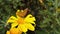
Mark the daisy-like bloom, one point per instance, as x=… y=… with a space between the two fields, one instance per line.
x=14 y=31
x=24 y=24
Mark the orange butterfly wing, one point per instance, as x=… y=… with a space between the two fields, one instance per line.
x=22 y=13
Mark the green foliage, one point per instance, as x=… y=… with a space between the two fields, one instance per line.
x=47 y=14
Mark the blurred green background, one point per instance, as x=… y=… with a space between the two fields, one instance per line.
x=47 y=13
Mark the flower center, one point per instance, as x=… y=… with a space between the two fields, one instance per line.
x=20 y=20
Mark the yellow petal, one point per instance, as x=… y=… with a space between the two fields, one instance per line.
x=30 y=27
x=14 y=25
x=30 y=19
x=22 y=28
x=12 y=19
x=8 y=32
x=33 y=22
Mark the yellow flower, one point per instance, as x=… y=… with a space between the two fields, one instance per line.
x=14 y=31
x=23 y=23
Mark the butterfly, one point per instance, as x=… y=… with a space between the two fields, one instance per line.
x=22 y=13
